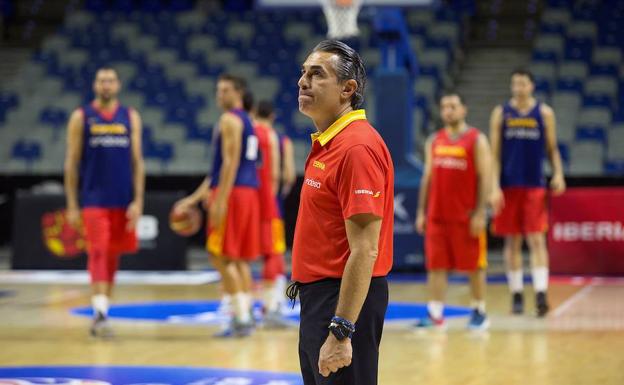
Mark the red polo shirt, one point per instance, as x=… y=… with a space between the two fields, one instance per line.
x=349 y=171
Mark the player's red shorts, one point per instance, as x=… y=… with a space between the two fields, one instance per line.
x=107 y=238
x=273 y=248
x=450 y=246
x=238 y=237
x=273 y=239
x=525 y=212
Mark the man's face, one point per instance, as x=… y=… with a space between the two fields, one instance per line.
x=106 y=85
x=227 y=94
x=452 y=111
x=319 y=89
x=521 y=86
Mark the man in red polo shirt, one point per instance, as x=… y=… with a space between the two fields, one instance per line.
x=342 y=248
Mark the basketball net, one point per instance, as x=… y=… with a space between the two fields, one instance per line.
x=341 y=16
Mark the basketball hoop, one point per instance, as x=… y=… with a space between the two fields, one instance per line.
x=341 y=16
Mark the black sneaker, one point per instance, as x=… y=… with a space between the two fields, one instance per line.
x=541 y=304
x=517 y=303
x=100 y=327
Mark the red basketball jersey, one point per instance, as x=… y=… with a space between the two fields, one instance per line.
x=453 y=188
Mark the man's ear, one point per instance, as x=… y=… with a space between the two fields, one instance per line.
x=348 y=88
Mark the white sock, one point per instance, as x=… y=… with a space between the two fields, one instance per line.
x=479 y=305
x=241 y=307
x=515 y=281
x=271 y=300
x=226 y=304
x=540 y=279
x=274 y=296
x=436 y=309
x=280 y=287
x=100 y=304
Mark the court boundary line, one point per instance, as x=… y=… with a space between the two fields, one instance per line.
x=568 y=303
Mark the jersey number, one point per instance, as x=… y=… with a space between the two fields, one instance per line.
x=252 y=148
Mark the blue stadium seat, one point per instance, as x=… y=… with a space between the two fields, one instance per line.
x=570 y=84
x=200 y=133
x=25 y=150
x=597 y=100
x=591 y=133
x=544 y=56
x=552 y=28
x=579 y=49
x=180 y=5
x=53 y=117
x=8 y=100
x=618 y=115
x=542 y=85
x=605 y=69
x=564 y=151
x=122 y=6
x=160 y=151
x=614 y=167
x=153 y=6
x=96 y=6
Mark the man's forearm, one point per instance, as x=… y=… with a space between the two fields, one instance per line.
x=139 y=181
x=226 y=178
x=483 y=190
x=422 y=196
x=555 y=161
x=355 y=284
x=71 y=187
x=495 y=178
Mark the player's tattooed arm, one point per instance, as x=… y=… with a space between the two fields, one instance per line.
x=423 y=193
x=275 y=164
x=557 y=183
x=72 y=161
x=289 y=176
x=484 y=180
x=496 y=197
x=135 y=210
x=231 y=146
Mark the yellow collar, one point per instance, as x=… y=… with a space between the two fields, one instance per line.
x=333 y=130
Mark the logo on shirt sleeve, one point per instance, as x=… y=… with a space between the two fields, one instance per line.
x=319 y=164
x=313 y=183
x=367 y=192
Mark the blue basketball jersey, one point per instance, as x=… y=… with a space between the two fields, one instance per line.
x=523 y=148
x=247 y=172
x=106 y=162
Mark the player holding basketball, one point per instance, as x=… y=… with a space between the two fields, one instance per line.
x=104 y=185
x=521 y=131
x=272 y=226
x=233 y=208
x=452 y=203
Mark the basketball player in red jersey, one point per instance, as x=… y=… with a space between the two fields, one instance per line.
x=272 y=225
x=231 y=190
x=452 y=210
x=104 y=186
x=522 y=133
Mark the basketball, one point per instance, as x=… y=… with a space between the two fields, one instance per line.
x=185 y=223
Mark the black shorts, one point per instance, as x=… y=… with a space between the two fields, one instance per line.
x=318 y=306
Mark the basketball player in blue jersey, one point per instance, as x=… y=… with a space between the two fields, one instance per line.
x=233 y=238
x=522 y=132
x=104 y=186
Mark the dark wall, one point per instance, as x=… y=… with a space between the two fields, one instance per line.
x=9 y=185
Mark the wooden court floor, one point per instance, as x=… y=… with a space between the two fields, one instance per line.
x=581 y=342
